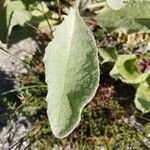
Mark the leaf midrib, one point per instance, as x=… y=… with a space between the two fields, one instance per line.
x=69 y=49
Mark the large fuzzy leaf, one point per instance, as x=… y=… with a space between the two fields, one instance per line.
x=125 y=69
x=142 y=98
x=72 y=73
x=132 y=17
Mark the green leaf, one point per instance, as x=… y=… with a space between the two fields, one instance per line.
x=2 y=45
x=125 y=69
x=41 y=17
x=6 y=16
x=134 y=16
x=109 y=54
x=142 y=98
x=18 y=18
x=21 y=12
x=72 y=73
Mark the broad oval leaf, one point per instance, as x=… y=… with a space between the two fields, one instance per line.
x=134 y=16
x=72 y=73
x=142 y=98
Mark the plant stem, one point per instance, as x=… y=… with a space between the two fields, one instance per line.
x=43 y=12
x=59 y=9
x=77 y=4
x=4 y=50
x=23 y=88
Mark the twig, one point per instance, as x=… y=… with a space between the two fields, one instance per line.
x=4 y=50
x=18 y=142
x=59 y=9
x=142 y=117
x=77 y=3
x=46 y=17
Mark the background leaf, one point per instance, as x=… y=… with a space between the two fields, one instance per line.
x=72 y=73
x=6 y=16
x=134 y=16
x=109 y=54
x=125 y=69
x=142 y=98
x=25 y=12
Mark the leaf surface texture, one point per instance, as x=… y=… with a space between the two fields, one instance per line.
x=134 y=16
x=72 y=73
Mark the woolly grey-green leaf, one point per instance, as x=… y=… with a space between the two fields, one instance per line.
x=134 y=16
x=72 y=73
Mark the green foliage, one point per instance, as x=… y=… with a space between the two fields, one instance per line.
x=125 y=69
x=30 y=13
x=133 y=17
x=142 y=98
x=108 y=54
x=72 y=73
x=6 y=16
x=104 y=124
